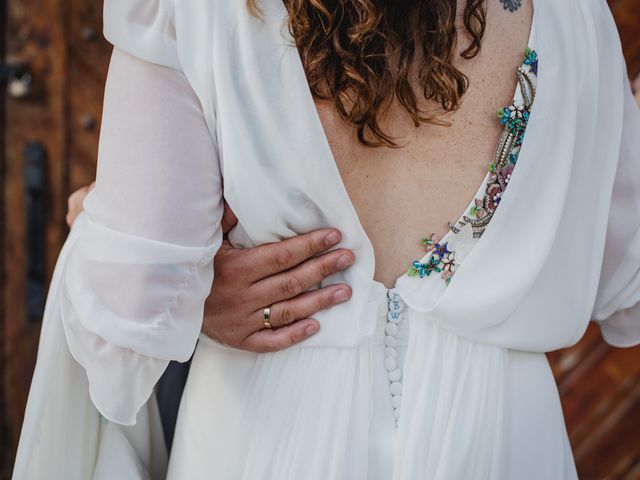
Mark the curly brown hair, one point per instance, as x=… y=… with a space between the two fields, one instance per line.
x=358 y=54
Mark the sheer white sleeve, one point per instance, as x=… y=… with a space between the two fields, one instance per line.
x=141 y=264
x=617 y=307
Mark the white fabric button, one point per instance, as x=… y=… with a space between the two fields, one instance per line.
x=396 y=306
x=390 y=364
x=390 y=352
x=396 y=414
x=394 y=317
x=395 y=388
x=395 y=375
x=396 y=401
x=390 y=341
x=391 y=329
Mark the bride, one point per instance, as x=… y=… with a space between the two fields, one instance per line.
x=473 y=243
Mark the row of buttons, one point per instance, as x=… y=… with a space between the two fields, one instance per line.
x=391 y=362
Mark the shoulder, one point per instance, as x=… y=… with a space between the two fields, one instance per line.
x=143 y=28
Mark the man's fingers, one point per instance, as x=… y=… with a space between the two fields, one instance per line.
x=268 y=340
x=276 y=257
x=296 y=281
x=304 y=306
x=74 y=203
x=229 y=219
x=225 y=247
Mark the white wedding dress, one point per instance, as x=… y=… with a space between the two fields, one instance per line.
x=442 y=377
x=495 y=412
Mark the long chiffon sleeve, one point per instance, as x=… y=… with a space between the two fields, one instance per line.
x=141 y=265
x=617 y=307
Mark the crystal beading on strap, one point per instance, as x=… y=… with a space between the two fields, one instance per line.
x=439 y=258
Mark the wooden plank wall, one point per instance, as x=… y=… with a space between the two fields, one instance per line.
x=61 y=41
x=600 y=390
x=627 y=15
x=36 y=35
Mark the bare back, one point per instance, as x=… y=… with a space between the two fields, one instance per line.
x=404 y=194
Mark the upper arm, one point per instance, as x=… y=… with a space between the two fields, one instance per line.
x=158 y=174
x=140 y=264
x=617 y=306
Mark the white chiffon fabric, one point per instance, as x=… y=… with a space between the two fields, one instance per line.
x=200 y=91
x=129 y=285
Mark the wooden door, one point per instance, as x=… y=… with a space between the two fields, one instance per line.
x=50 y=138
x=49 y=149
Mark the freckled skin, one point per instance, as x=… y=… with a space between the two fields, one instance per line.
x=404 y=194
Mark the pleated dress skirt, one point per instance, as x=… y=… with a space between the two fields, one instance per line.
x=412 y=402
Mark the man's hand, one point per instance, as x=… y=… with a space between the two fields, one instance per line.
x=74 y=202
x=276 y=275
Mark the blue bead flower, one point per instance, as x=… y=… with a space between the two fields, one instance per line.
x=504 y=115
x=421 y=269
x=426 y=269
x=441 y=250
x=531 y=59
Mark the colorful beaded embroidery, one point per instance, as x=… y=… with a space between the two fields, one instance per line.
x=441 y=260
x=514 y=119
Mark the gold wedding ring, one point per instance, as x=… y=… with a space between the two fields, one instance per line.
x=266 y=315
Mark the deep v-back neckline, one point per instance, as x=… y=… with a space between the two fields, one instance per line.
x=329 y=158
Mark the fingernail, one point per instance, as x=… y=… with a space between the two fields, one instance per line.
x=311 y=330
x=332 y=238
x=340 y=295
x=344 y=261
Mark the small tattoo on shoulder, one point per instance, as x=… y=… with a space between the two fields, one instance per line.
x=511 y=5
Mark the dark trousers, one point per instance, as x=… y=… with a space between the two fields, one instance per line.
x=168 y=393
